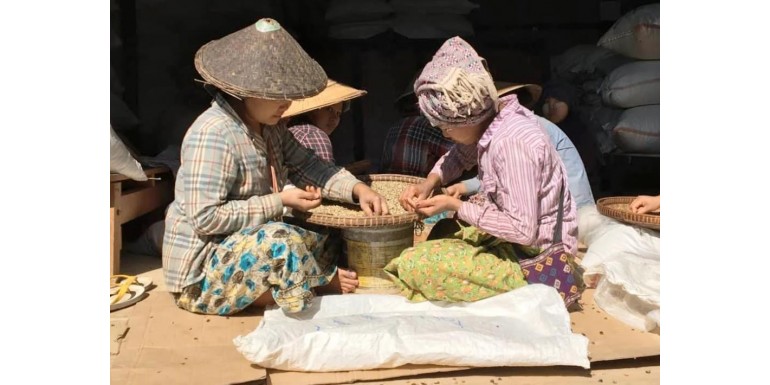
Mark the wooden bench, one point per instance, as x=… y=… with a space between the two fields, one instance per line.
x=130 y=199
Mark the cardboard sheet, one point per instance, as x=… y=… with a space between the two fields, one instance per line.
x=626 y=373
x=167 y=345
x=118 y=329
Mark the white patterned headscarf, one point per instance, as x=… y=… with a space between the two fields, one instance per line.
x=455 y=87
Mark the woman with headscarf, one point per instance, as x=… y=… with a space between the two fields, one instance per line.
x=523 y=183
x=224 y=247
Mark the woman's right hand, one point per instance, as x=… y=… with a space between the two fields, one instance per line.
x=644 y=204
x=302 y=200
x=416 y=193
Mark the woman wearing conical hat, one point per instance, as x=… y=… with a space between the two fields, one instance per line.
x=527 y=205
x=223 y=249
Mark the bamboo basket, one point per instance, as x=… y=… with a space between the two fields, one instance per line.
x=617 y=208
x=369 y=250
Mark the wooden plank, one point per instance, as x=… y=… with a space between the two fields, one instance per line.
x=150 y=172
x=115 y=242
x=116 y=190
x=130 y=199
x=133 y=204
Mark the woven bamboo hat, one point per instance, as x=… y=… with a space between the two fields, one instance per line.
x=260 y=61
x=618 y=208
x=334 y=93
x=533 y=91
x=503 y=88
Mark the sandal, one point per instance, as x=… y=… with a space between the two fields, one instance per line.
x=120 y=279
x=125 y=295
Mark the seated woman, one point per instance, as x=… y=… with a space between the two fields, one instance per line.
x=412 y=146
x=576 y=173
x=522 y=178
x=313 y=120
x=222 y=248
x=579 y=186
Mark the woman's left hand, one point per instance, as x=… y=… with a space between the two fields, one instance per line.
x=438 y=204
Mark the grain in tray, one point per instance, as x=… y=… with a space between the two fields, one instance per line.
x=391 y=190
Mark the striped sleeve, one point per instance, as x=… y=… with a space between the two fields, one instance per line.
x=517 y=176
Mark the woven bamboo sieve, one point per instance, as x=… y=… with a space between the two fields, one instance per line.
x=618 y=208
x=363 y=221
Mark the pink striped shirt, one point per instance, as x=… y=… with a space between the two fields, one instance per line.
x=521 y=175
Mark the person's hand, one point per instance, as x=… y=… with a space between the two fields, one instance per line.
x=415 y=193
x=436 y=205
x=370 y=201
x=302 y=200
x=644 y=204
x=457 y=190
x=313 y=190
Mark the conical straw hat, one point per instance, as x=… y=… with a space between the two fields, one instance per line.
x=260 y=61
x=333 y=93
x=534 y=91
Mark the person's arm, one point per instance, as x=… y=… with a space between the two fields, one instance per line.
x=467 y=187
x=336 y=182
x=209 y=175
x=577 y=176
x=450 y=166
x=472 y=185
x=515 y=215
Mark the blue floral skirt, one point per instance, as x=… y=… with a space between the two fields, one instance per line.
x=285 y=259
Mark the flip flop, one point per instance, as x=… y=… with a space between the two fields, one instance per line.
x=120 y=279
x=125 y=295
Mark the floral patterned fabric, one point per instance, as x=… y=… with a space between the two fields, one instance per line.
x=285 y=259
x=468 y=266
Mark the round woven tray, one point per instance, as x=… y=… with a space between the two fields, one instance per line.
x=617 y=208
x=363 y=221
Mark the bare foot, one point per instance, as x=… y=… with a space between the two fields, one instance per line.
x=345 y=281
